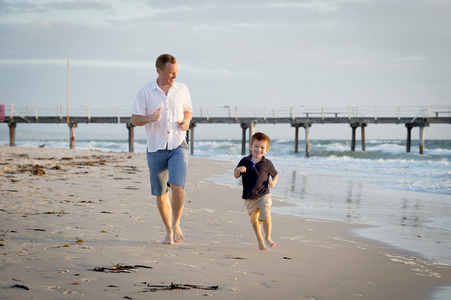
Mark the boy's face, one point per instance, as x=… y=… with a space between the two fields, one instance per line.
x=259 y=148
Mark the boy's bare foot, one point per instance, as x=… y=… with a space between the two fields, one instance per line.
x=270 y=243
x=168 y=239
x=261 y=246
x=178 y=235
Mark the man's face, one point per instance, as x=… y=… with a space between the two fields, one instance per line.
x=168 y=75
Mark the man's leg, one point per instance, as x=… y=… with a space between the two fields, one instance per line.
x=177 y=166
x=158 y=170
x=177 y=203
x=164 y=207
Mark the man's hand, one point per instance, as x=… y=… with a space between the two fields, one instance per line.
x=184 y=125
x=140 y=120
x=156 y=116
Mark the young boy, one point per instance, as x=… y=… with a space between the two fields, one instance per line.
x=256 y=171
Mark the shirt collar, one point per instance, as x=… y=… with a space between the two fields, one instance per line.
x=154 y=85
x=261 y=160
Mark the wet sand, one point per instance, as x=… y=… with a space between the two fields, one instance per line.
x=82 y=225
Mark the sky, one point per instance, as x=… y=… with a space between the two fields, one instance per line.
x=248 y=54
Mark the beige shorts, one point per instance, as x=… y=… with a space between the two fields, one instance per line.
x=263 y=204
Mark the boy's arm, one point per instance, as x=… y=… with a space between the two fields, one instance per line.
x=273 y=182
x=238 y=171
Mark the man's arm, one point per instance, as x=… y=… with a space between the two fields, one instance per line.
x=139 y=120
x=187 y=117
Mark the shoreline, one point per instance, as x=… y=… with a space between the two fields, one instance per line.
x=93 y=209
x=361 y=203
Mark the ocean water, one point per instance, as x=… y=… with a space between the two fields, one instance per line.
x=405 y=198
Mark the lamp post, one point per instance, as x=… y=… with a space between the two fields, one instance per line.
x=73 y=125
x=68 y=87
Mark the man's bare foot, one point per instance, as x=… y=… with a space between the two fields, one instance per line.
x=261 y=246
x=168 y=239
x=178 y=235
x=270 y=243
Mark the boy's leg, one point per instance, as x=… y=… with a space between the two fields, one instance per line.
x=265 y=218
x=256 y=225
x=267 y=227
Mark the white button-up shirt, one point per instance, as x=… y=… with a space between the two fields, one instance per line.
x=166 y=133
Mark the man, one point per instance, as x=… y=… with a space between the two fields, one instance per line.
x=164 y=108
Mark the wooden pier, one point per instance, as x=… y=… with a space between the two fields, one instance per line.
x=304 y=117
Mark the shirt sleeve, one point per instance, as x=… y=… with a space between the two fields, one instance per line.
x=140 y=104
x=241 y=163
x=272 y=170
x=187 y=106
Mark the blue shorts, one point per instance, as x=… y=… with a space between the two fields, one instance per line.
x=167 y=167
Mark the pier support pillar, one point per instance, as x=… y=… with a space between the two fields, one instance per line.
x=354 y=127
x=72 y=127
x=296 y=138
x=363 y=125
x=307 y=138
x=251 y=133
x=421 y=145
x=131 y=137
x=244 y=126
x=191 y=137
x=306 y=126
x=12 y=133
x=409 y=137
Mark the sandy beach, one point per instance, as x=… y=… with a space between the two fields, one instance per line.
x=82 y=225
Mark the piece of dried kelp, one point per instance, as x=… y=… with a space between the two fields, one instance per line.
x=20 y=286
x=235 y=257
x=36 y=229
x=119 y=268
x=176 y=286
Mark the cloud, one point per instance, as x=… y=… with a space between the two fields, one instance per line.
x=22 y=12
x=22 y=7
x=102 y=63
x=77 y=5
x=266 y=50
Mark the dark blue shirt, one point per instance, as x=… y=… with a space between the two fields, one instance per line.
x=256 y=178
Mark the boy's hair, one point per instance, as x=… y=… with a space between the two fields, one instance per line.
x=163 y=59
x=260 y=136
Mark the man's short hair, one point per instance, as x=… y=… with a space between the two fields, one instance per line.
x=163 y=59
x=260 y=136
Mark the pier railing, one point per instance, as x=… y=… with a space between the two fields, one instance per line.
x=350 y=112
x=26 y=111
